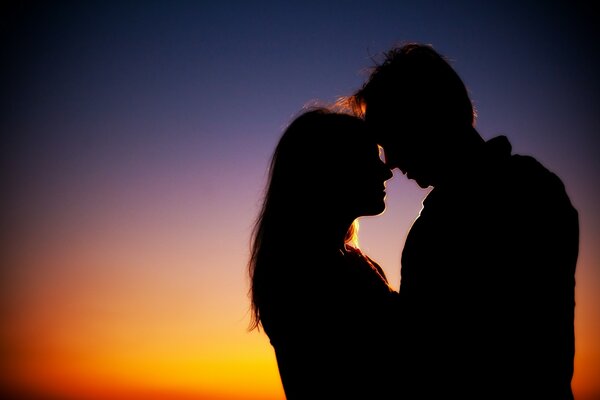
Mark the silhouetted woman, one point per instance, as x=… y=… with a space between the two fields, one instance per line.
x=326 y=307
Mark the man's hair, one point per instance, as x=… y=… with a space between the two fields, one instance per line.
x=419 y=80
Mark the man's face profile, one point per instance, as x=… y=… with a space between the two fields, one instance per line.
x=403 y=142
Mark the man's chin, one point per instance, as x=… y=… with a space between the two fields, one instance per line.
x=422 y=184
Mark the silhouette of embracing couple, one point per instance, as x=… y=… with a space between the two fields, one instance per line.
x=485 y=306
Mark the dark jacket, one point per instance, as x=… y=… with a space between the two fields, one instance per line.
x=488 y=285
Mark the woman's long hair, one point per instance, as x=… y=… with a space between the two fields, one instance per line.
x=303 y=167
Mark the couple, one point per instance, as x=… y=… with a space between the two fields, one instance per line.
x=485 y=308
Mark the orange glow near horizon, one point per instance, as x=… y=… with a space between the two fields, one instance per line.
x=129 y=358
x=156 y=348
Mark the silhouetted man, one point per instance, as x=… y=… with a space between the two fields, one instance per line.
x=488 y=268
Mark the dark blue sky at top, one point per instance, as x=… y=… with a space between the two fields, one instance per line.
x=103 y=91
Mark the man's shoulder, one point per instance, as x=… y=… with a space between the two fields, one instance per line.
x=522 y=179
x=532 y=173
x=520 y=168
x=539 y=188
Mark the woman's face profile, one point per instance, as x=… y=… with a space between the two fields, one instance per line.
x=333 y=168
x=359 y=187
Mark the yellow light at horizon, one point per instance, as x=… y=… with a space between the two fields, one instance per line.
x=160 y=364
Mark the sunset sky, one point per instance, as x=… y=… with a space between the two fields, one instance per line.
x=136 y=138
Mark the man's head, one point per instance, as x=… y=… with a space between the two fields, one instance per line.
x=419 y=109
